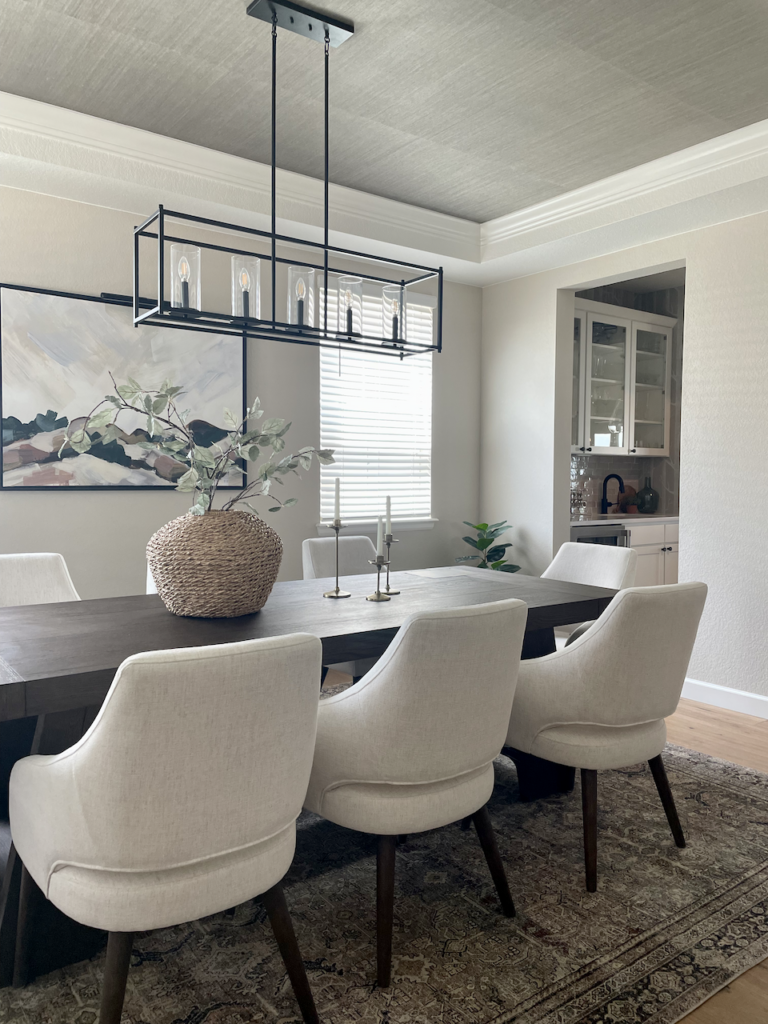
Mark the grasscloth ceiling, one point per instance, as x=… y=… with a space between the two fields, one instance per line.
x=473 y=109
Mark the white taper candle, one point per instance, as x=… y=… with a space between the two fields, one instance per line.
x=389 y=515
x=337 y=500
x=380 y=539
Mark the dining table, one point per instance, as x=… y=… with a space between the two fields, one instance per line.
x=57 y=663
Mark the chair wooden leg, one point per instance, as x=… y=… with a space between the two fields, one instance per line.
x=280 y=919
x=466 y=823
x=589 y=810
x=385 y=907
x=667 y=800
x=323 y=674
x=485 y=834
x=119 y=946
x=29 y=902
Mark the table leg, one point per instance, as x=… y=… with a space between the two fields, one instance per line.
x=57 y=939
x=537 y=777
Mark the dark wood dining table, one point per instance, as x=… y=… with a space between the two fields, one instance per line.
x=57 y=662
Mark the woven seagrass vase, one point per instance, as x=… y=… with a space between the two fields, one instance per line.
x=215 y=566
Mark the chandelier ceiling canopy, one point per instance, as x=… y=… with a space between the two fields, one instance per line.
x=299 y=273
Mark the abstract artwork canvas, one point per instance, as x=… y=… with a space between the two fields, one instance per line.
x=56 y=356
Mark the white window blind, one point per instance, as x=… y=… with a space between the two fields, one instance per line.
x=377 y=416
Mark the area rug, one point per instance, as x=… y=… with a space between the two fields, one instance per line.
x=665 y=930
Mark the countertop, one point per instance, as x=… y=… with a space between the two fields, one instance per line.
x=618 y=517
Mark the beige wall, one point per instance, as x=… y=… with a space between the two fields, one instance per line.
x=71 y=246
x=724 y=485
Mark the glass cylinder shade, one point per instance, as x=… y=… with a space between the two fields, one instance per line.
x=185 y=277
x=350 y=320
x=301 y=296
x=393 y=312
x=246 y=290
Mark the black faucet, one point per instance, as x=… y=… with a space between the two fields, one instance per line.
x=605 y=503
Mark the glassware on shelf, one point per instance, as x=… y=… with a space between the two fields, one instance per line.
x=301 y=296
x=350 y=318
x=246 y=287
x=185 y=277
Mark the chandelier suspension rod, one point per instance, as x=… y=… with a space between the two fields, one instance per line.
x=325 y=189
x=274 y=164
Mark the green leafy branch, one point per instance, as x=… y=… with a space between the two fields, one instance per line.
x=171 y=434
x=488 y=551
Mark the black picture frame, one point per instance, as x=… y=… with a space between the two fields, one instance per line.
x=109 y=300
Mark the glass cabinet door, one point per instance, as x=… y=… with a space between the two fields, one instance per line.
x=650 y=390
x=608 y=367
x=578 y=380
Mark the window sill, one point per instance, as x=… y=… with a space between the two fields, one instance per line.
x=370 y=526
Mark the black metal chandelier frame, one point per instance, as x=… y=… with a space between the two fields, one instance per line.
x=332 y=32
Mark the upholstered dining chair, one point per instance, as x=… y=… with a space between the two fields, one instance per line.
x=601 y=702
x=318 y=561
x=35 y=578
x=594 y=565
x=411 y=746
x=179 y=802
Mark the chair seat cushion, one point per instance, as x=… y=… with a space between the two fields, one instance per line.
x=594 y=746
x=127 y=901
x=382 y=808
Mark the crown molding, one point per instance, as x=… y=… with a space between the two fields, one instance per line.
x=75 y=156
x=65 y=138
x=724 y=162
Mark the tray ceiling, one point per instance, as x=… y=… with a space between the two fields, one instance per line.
x=472 y=111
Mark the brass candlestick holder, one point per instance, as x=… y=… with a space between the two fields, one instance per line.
x=389 y=540
x=379 y=562
x=337 y=526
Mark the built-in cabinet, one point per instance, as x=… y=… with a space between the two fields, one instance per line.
x=657 y=552
x=621 y=381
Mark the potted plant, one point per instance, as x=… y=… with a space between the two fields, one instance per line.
x=211 y=563
x=490 y=553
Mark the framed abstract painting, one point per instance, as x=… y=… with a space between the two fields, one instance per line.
x=59 y=353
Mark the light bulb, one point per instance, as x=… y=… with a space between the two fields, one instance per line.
x=348 y=298
x=245 y=280
x=395 y=307
x=184 y=269
x=300 y=288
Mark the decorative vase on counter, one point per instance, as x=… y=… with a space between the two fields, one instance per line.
x=217 y=565
x=647 y=498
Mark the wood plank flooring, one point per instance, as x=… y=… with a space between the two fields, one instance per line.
x=742 y=739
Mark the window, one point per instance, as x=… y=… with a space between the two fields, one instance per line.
x=376 y=413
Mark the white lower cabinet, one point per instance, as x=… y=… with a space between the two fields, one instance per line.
x=657 y=551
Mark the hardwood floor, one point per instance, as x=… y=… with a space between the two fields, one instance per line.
x=743 y=740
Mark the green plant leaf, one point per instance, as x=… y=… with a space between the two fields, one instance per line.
x=484 y=542
x=466 y=558
x=275 y=508
x=100 y=419
x=325 y=456
x=111 y=433
x=272 y=426
x=278 y=443
x=203 y=457
x=159 y=405
x=472 y=525
x=290 y=501
x=508 y=567
x=471 y=541
x=188 y=482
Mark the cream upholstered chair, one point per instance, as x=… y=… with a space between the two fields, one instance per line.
x=602 y=701
x=411 y=746
x=179 y=802
x=594 y=565
x=318 y=561
x=318 y=557
x=35 y=579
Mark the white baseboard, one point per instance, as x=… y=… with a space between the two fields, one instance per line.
x=726 y=697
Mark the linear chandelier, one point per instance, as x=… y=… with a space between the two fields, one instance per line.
x=302 y=273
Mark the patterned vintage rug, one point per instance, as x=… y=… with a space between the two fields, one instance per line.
x=665 y=930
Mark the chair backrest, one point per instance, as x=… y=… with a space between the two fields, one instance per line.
x=197 y=752
x=630 y=665
x=437 y=703
x=318 y=556
x=151 y=585
x=35 y=579
x=595 y=565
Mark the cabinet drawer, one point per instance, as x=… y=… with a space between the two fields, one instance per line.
x=672 y=533
x=647 y=533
